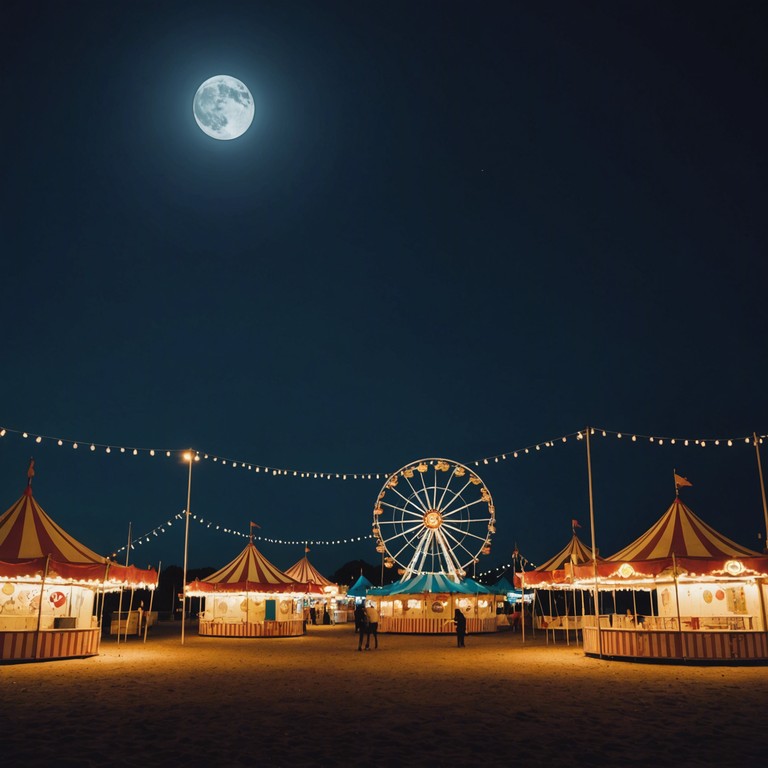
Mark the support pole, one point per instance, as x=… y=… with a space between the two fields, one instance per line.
x=189 y=456
x=594 y=549
x=151 y=599
x=120 y=601
x=762 y=489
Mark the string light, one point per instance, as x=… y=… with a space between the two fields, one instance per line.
x=159 y=529
x=345 y=475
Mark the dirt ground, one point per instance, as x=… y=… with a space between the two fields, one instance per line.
x=416 y=701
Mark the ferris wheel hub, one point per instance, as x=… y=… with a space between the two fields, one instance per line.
x=433 y=519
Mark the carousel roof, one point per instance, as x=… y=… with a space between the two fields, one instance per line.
x=681 y=533
x=360 y=587
x=33 y=546
x=431 y=582
x=304 y=571
x=250 y=571
x=574 y=552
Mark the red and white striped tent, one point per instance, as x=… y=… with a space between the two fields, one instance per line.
x=250 y=597
x=707 y=595
x=556 y=572
x=49 y=583
x=679 y=540
x=250 y=571
x=32 y=545
x=304 y=571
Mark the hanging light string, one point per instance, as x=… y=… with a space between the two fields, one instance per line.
x=158 y=530
x=267 y=471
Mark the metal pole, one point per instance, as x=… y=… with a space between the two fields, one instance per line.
x=120 y=601
x=151 y=599
x=594 y=550
x=189 y=458
x=762 y=490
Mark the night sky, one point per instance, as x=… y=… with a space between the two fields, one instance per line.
x=453 y=230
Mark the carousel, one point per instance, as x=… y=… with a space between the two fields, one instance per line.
x=425 y=604
x=52 y=587
x=433 y=518
x=702 y=596
x=250 y=597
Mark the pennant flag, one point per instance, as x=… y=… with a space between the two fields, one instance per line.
x=30 y=471
x=681 y=482
x=575 y=524
x=255 y=525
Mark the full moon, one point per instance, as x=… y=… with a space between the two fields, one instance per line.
x=223 y=107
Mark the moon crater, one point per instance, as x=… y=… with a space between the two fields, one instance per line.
x=223 y=107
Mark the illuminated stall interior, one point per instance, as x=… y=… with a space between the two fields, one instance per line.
x=425 y=604
x=51 y=585
x=707 y=595
x=250 y=597
x=558 y=605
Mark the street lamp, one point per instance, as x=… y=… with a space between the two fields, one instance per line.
x=190 y=457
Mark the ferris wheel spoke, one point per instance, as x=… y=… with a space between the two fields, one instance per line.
x=464 y=533
x=463 y=536
x=448 y=556
x=445 y=490
x=426 y=492
x=416 y=514
x=419 y=553
x=449 y=513
x=408 y=542
x=410 y=500
x=460 y=545
x=423 y=503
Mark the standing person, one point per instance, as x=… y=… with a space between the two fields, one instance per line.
x=361 y=621
x=461 y=627
x=359 y=617
x=313 y=614
x=373 y=626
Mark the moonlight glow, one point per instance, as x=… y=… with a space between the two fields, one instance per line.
x=223 y=107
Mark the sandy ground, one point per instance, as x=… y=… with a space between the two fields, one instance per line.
x=416 y=701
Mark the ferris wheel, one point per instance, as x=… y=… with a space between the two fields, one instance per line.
x=433 y=516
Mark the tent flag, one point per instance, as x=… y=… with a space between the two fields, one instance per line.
x=575 y=524
x=681 y=482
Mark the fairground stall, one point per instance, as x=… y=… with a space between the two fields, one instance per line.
x=561 y=607
x=250 y=597
x=705 y=595
x=50 y=585
x=332 y=602
x=425 y=604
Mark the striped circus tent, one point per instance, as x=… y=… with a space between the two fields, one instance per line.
x=681 y=533
x=32 y=544
x=305 y=572
x=250 y=571
x=50 y=584
x=556 y=571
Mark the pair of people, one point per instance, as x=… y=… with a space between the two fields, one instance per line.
x=368 y=625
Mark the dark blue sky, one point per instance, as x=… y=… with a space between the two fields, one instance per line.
x=453 y=230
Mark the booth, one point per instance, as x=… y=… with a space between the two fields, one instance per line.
x=51 y=586
x=250 y=597
x=707 y=596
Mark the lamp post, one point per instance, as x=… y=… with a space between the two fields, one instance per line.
x=190 y=457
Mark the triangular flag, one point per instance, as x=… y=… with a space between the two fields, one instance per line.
x=681 y=482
